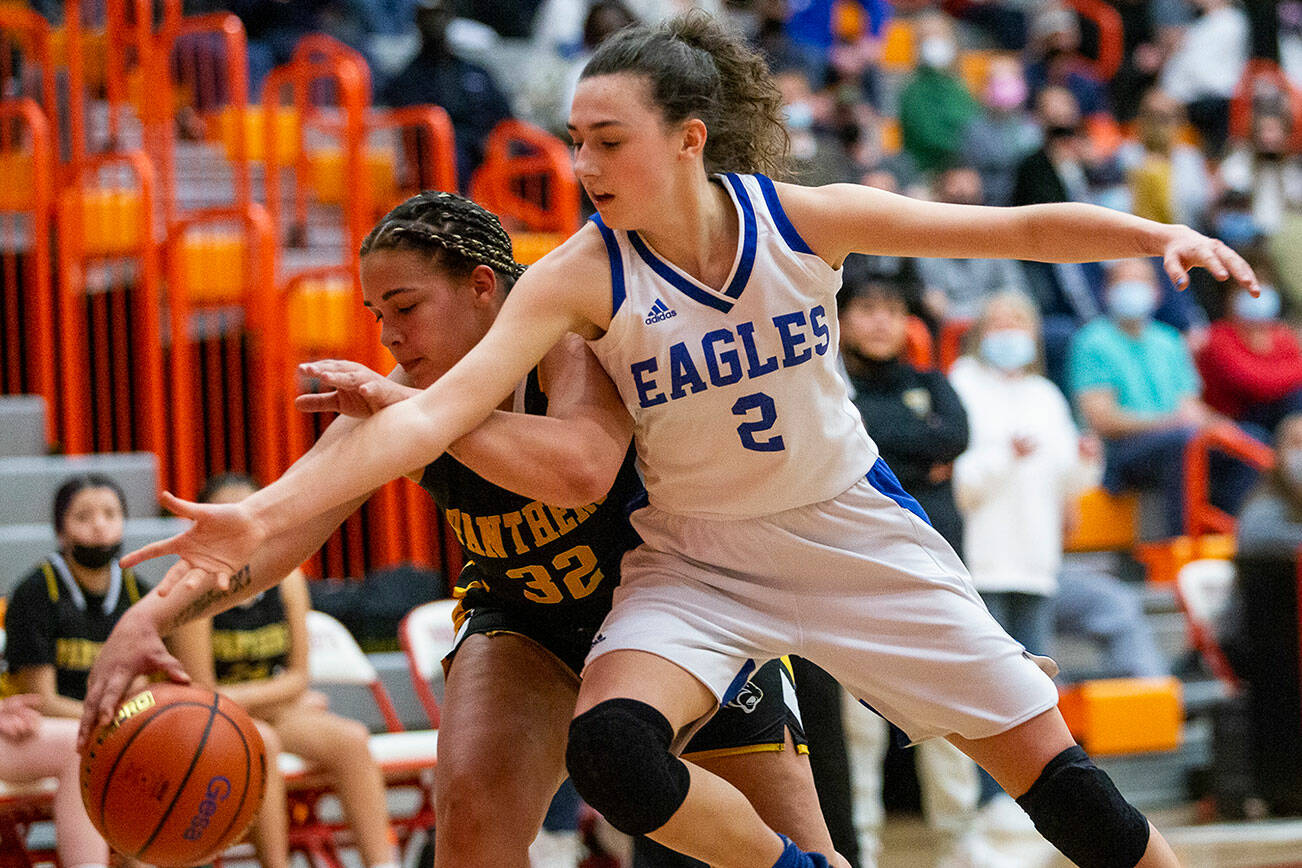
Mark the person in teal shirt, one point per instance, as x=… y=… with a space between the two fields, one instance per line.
x=1134 y=383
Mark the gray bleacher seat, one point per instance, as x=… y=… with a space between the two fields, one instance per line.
x=28 y=484
x=22 y=546
x=22 y=425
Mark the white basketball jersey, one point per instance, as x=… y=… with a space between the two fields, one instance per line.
x=738 y=408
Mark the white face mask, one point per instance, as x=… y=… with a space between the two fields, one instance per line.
x=1008 y=349
x=1263 y=308
x=798 y=115
x=937 y=52
x=1132 y=300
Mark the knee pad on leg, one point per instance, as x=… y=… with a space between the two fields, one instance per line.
x=1077 y=808
x=618 y=757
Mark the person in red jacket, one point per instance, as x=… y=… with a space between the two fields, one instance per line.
x=1251 y=364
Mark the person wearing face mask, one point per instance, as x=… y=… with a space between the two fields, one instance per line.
x=1167 y=178
x=1003 y=134
x=61 y=612
x=1017 y=482
x=1134 y=383
x=1252 y=364
x=935 y=106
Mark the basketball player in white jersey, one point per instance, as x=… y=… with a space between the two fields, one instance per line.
x=772 y=526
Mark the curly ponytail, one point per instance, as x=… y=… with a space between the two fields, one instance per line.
x=696 y=69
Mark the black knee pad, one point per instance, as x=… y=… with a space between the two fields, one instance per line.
x=1077 y=808
x=618 y=757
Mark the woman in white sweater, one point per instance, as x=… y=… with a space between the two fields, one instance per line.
x=1017 y=482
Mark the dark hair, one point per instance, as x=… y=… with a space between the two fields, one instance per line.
x=458 y=234
x=74 y=485
x=697 y=70
x=220 y=481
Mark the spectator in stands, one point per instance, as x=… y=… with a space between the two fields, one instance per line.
x=1134 y=383
x=1204 y=69
x=1056 y=61
x=811 y=30
x=467 y=92
x=1266 y=169
x=256 y=654
x=935 y=106
x=61 y=612
x=33 y=747
x=1109 y=613
x=1003 y=134
x=954 y=289
x=1168 y=179
x=920 y=427
x=1024 y=467
x=1251 y=364
x=817 y=155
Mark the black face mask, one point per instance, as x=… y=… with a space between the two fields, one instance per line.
x=95 y=557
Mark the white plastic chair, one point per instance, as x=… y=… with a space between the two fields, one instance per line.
x=427 y=635
x=1202 y=588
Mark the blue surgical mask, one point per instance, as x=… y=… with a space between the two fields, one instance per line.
x=1132 y=299
x=798 y=115
x=1008 y=349
x=1237 y=229
x=1263 y=308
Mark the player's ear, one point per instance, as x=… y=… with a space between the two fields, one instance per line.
x=483 y=283
x=693 y=138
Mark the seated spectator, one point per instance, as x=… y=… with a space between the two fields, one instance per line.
x=935 y=106
x=1265 y=169
x=1056 y=60
x=1003 y=134
x=816 y=154
x=1258 y=629
x=33 y=747
x=466 y=92
x=60 y=615
x=811 y=32
x=1134 y=384
x=1168 y=179
x=256 y=654
x=919 y=426
x=1251 y=364
x=1108 y=613
x=955 y=289
x=1203 y=70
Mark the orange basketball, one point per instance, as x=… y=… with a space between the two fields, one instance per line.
x=176 y=777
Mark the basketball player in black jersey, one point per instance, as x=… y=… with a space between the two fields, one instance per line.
x=542 y=565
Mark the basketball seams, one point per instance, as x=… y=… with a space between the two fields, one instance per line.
x=122 y=751
x=248 y=765
x=180 y=788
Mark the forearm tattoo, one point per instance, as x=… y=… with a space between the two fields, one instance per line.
x=207 y=602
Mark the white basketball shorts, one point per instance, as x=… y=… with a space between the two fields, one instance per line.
x=859 y=584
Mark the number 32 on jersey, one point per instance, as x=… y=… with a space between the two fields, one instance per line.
x=575 y=570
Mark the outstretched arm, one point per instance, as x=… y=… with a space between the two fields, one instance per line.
x=840 y=219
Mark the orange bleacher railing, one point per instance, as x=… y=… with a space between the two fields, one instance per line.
x=428 y=144
x=1264 y=73
x=919 y=348
x=25 y=42
x=1107 y=21
x=952 y=334
x=26 y=205
x=527 y=179
x=220 y=261
x=108 y=316
x=1201 y=517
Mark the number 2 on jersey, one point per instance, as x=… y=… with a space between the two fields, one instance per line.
x=768 y=414
x=579 y=581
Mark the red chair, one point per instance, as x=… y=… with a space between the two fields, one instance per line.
x=427 y=634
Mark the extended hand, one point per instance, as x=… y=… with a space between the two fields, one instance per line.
x=356 y=390
x=1189 y=249
x=223 y=536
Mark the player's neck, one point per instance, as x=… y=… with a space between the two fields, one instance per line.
x=699 y=233
x=94 y=580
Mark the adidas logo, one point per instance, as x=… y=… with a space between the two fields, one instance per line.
x=659 y=312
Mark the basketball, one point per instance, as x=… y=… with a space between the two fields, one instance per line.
x=176 y=777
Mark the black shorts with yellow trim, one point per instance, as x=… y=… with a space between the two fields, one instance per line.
x=756 y=720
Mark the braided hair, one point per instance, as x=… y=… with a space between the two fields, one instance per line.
x=456 y=232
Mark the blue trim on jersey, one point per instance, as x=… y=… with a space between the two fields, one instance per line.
x=788 y=232
x=737 y=683
x=617 y=292
x=882 y=478
x=749 y=239
x=674 y=279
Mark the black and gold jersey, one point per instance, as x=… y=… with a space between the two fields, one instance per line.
x=52 y=620
x=523 y=552
x=251 y=642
